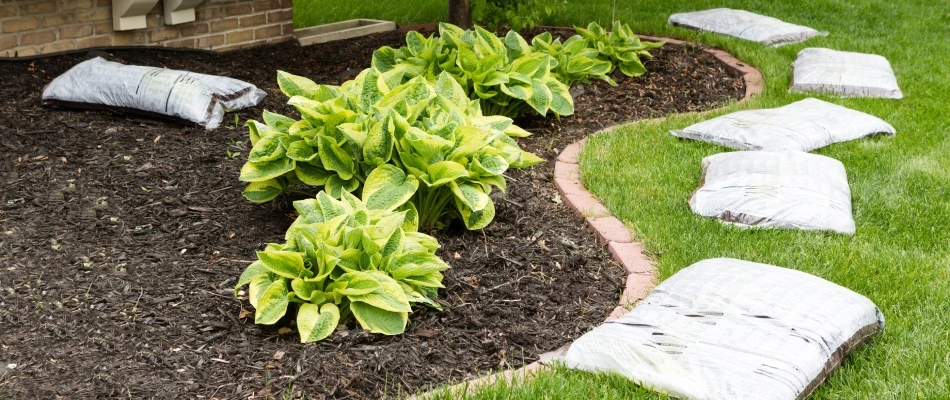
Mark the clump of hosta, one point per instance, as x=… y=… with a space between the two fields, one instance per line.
x=359 y=258
x=578 y=62
x=504 y=79
x=458 y=155
x=430 y=130
x=619 y=46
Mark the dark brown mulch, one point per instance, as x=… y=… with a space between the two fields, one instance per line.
x=121 y=238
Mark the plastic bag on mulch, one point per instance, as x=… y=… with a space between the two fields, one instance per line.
x=731 y=329
x=200 y=98
x=775 y=190
x=804 y=125
x=844 y=73
x=744 y=25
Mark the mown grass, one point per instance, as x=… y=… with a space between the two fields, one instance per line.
x=900 y=255
x=403 y=12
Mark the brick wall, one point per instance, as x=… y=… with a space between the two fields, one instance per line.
x=29 y=27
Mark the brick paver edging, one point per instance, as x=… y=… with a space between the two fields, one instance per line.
x=641 y=271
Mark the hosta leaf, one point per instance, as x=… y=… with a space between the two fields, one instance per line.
x=313 y=175
x=497 y=181
x=415 y=42
x=298 y=127
x=260 y=171
x=394 y=245
x=516 y=45
x=384 y=58
x=415 y=296
x=335 y=158
x=354 y=132
x=493 y=78
x=257 y=130
x=517 y=90
x=389 y=296
x=358 y=283
x=369 y=91
x=277 y=122
x=378 y=147
x=444 y=172
x=416 y=264
x=540 y=99
x=390 y=79
x=387 y=224
x=633 y=68
x=258 y=286
x=492 y=121
x=516 y=131
x=472 y=196
x=561 y=101
x=447 y=87
x=301 y=151
x=304 y=288
x=489 y=164
x=317 y=322
x=429 y=147
x=378 y=320
x=423 y=241
x=476 y=219
x=288 y=264
x=294 y=85
x=264 y=191
x=528 y=65
x=272 y=305
x=411 y=222
x=268 y=148
x=433 y=280
x=575 y=44
x=491 y=41
x=579 y=65
x=254 y=270
x=388 y=187
x=526 y=160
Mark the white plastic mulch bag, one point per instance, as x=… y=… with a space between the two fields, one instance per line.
x=199 y=98
x=775 y=190
x=844 y=73
x=744 y=25
x=803 y=125
x=732 y=329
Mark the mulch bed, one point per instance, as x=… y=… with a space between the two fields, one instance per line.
x=121 y=238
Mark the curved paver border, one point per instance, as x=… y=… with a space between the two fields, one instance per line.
x=610 y=231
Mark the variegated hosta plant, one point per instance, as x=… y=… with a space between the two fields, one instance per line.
x=505 y=78
x=431 y=130
x=458 y=155
x=352 y=257
x=576 y=61
x=619 y=46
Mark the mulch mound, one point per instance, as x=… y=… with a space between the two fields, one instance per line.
x=121 y=238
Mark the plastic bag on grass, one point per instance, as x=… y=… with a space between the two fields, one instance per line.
x=731 y=329
x=844 y=73
x=198 y=98
x=744 y=25
x=804 y=125
x=775 y=190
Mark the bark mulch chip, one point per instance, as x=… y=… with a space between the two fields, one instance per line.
x=121 y=239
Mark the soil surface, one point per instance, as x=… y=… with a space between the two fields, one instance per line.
x=121 y=238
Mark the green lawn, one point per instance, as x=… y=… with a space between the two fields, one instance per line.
x=403 y=12
x=900 y=255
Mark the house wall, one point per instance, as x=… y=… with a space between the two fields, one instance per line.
x=31 y=27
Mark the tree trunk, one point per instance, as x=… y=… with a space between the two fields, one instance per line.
x=460 y=13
